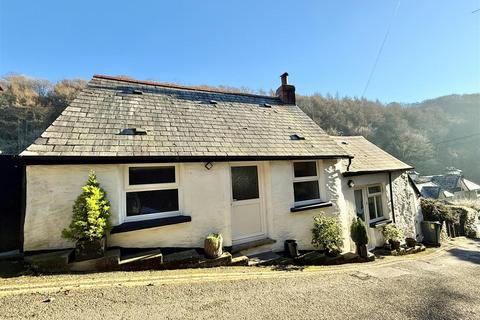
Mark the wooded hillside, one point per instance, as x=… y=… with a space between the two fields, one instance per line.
x=430 y=135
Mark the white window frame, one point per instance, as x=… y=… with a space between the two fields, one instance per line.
x=149 y=187
x=373 y=195
x=306 y=179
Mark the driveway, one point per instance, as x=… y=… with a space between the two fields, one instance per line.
x=438 y=284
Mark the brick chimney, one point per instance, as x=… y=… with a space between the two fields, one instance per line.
x=286 y=92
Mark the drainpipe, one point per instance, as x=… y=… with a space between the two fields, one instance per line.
x=391 y=194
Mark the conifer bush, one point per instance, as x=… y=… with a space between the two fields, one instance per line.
x=91 y=213
x=358 y=232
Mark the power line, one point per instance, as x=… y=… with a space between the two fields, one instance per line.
x=475 y=11
x=458 y=138
x=381 y=48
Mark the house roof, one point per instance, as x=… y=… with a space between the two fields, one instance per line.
x=470 y=185
x=179 y=122
x=367 y=156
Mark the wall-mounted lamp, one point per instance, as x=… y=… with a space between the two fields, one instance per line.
x=351 y=184
x=208 y=165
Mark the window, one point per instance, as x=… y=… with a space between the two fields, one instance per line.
x=244 y=183
x=305 y=183
x=375 y=203
x=151 y=192
x=358 y=194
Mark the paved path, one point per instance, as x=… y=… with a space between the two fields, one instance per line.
x=444 y=284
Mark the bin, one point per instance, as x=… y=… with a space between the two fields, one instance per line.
x=431 y=232
x=291 y=248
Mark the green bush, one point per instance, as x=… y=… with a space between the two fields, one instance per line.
x=327 y=233
x=91 y=216
x=358 y=232
x=434 y=210
x=391 y=232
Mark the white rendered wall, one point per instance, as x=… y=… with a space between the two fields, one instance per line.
x=205 y=195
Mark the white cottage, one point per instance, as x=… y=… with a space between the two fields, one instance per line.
x=180 y=162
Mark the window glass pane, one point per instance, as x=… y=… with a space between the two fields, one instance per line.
x=371 y=207
x=149 y=175
x=307 y=190
x=244 y=183
x=359 y=204
x=147 y=202
x=305 y=169
x=378 y=199
x=375 y=189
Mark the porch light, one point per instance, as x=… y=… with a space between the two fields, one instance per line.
x=351 y=184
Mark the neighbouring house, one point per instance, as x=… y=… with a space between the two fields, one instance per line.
x=178 y=163
x=377 y=189
x=450 y=185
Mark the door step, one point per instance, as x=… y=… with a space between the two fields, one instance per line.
x=263 y=259
x=252 y=244
x=139 y=256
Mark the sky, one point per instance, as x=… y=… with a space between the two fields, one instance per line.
x=327 y=47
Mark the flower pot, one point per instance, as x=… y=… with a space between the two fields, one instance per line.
x=213 y=247
x=86 y=249
x=395 y=244
x=410 y=242
x=362 y=251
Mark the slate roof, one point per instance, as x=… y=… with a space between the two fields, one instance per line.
x=180 y=122
x=367 y=156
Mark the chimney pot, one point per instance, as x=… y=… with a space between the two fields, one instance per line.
x=284 y=78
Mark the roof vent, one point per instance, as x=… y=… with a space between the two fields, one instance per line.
x=213 y=102
x=296 y=137
x=133 y=132
x=344 y=142
x=266 y=105
x=135 y=91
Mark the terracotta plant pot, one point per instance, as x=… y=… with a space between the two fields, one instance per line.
x=213 y=247
x=395 y=244
x=410 y=242
x=86 y=249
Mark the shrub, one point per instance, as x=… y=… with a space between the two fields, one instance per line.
x=434 y=210
x=391 y=232
x=327 y=233
x=91 y=216
x=358 y=232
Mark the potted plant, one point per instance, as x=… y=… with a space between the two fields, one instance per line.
x=411 y=242
x=327 y=234
x=358 y=233
x=392 y=234
x=90 y=221
x=213 y=245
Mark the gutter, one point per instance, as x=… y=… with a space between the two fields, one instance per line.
x=38 y=159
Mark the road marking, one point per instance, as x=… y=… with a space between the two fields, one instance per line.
x=198 y=277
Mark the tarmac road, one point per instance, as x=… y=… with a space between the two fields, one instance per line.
x=444 y=284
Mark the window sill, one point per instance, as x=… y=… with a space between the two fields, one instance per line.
x=380 y=223
x=311 y=206
x=150 y=223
